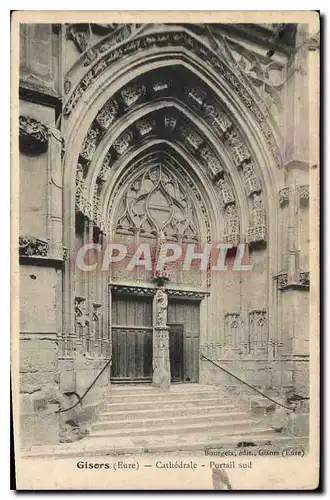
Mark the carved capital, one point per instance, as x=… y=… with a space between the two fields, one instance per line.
x=304 y=279
x=284 y=196
x=285 y=283
x=33 y=135
x=282 y=280
x=256 y=235
x=231 y=238
x=32 y=247
x=65 y=253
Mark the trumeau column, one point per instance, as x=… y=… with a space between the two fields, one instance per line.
x=161 y=357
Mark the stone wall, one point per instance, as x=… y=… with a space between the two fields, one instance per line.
x=254 y=323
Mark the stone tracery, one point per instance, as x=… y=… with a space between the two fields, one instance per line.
x=178 y=115
x=191 y=113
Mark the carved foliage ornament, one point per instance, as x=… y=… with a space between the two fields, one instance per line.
x=91 y=211
x=257 y=231
x=282 y=280
x=252 y=184
x=239 y=151
x=161 y=307
x=32 y=247
x=232 y=228
x=107 y=114
x=304 y=279
x=33 y=135
x=90 y=144
x=227 y=194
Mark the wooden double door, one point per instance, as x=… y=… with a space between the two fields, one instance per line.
x=132 y=332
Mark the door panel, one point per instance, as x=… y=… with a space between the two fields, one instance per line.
x=176 y=352
x=187 y=313
x=131 y=339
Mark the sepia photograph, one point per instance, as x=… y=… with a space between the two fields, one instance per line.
x=165 y=285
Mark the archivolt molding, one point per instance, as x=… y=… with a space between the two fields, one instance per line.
x=171 y=124
x=182 y=40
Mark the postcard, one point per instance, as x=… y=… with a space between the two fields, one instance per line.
x=165 y=250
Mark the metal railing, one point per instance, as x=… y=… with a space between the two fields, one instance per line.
x=247 y=384
x=80 y=398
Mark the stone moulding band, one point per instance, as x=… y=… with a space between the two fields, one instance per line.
x=151 y=291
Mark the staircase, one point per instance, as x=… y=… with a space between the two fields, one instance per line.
x=140 y=418
x=189 y=416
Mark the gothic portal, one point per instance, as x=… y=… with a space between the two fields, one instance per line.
x=153 y=135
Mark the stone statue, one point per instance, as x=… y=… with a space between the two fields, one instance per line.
x=161 y=307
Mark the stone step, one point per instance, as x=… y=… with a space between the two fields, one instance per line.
x=149 y=388
x=164 y=404
x=115 y=397
x=224 y=428
x=95 y=447
x=169 y=421
x=179 y=410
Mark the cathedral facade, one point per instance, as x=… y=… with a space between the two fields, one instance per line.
x=142 y=148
